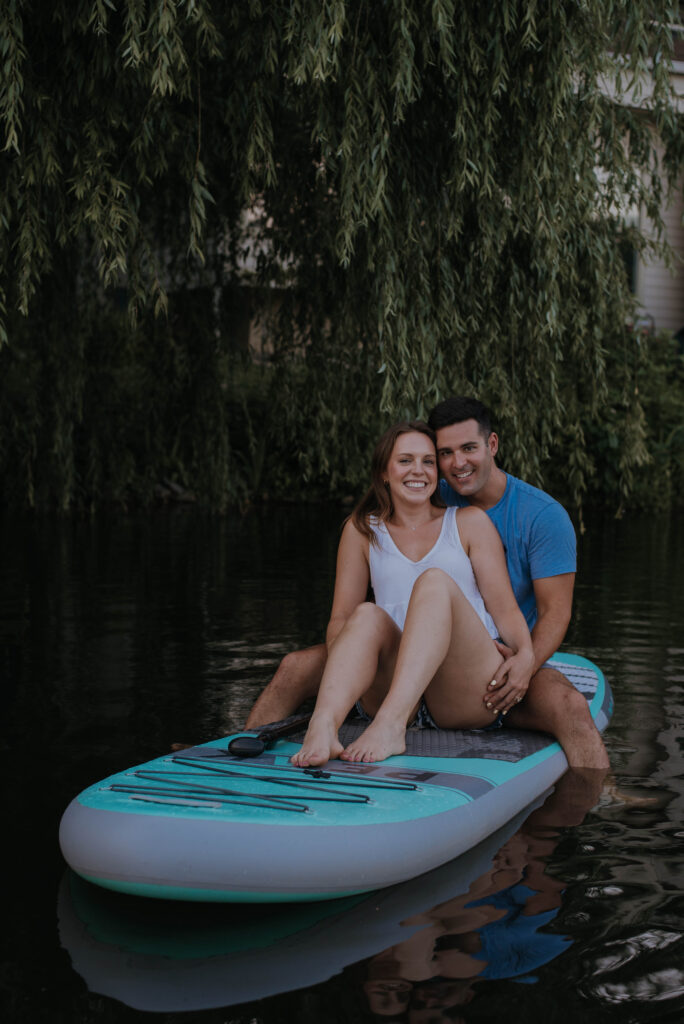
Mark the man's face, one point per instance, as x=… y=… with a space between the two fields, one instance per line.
x=466 y=457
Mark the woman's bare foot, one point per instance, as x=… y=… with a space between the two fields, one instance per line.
x=378 y=741
x=320 y=744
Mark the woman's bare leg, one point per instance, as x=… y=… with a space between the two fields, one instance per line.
x=360 y=661
x=446 y=654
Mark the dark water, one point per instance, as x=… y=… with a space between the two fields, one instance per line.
x=119 y=637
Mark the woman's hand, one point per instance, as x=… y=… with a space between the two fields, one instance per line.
x=511 y=681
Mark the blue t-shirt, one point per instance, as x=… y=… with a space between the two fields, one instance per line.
x=537 y=535
x=515 y=945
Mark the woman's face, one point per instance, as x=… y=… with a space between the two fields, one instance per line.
x=412 y=469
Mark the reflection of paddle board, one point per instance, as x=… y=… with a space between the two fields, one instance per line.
x=204 y=825
x=162 y=957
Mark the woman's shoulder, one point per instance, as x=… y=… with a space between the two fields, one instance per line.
x=351 y=534
x=353 y=546
x=469 y=513
x=472 y=521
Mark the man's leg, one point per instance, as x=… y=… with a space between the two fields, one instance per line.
x=296 y=680
x=553 y=705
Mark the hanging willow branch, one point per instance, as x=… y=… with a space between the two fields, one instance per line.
x=441 y=191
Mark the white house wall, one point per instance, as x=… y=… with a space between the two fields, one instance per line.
x=659 y=289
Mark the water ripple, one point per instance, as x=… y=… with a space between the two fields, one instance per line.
x=617 y=954
x=659 y=986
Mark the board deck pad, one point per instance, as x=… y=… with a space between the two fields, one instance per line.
x=496 y=745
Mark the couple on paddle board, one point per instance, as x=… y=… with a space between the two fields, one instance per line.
x=472 y=579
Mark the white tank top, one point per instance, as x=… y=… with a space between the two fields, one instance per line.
x=393 y=574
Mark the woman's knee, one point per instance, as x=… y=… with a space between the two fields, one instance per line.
x=438 y=581
x=369 y=615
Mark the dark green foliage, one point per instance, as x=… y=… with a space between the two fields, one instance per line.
x=434 y=193
x=645 y=407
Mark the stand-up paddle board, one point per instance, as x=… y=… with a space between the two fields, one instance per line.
x=209 y=824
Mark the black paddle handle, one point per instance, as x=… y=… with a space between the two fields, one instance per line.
x=254 y=743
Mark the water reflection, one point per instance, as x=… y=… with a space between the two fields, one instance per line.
x=502 y=928
x=484 y=916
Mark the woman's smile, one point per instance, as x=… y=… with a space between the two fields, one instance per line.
x=412 y=466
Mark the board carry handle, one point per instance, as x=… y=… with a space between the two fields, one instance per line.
x=254 y=743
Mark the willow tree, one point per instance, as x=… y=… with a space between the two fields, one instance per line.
x=437 y=190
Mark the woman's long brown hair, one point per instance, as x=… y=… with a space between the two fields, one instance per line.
x=377 y=500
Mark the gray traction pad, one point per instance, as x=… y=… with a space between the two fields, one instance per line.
x=495 y=744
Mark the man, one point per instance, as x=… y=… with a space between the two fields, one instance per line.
x=539 y=541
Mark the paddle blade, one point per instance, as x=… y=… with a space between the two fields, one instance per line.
x=254 y=745
x=246 y=746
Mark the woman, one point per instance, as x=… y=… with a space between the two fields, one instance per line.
x=425 y=649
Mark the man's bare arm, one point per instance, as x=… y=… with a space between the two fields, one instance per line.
x=553 y=595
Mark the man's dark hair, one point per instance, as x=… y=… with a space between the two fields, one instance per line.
x=457 y=410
